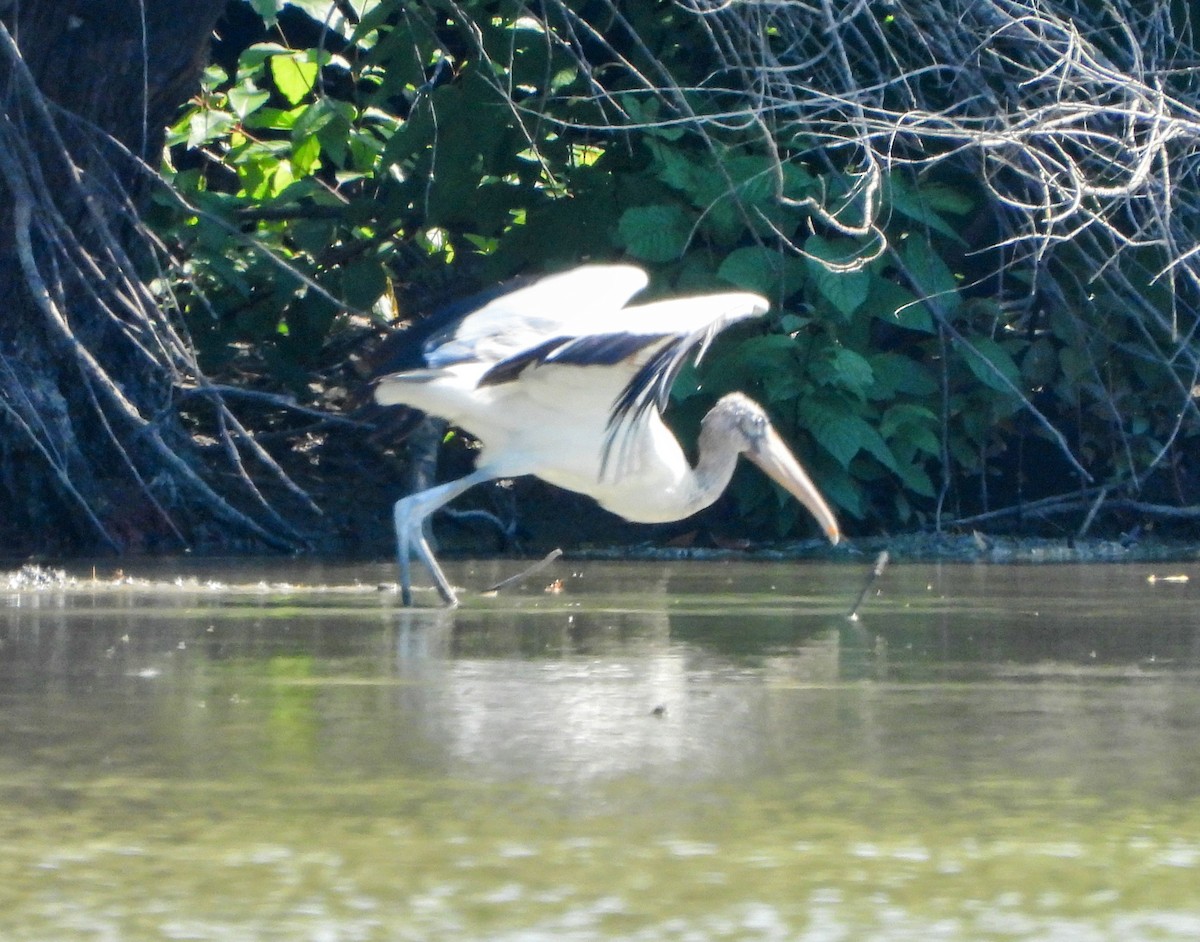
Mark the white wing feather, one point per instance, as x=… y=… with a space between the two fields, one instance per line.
x=568 y=304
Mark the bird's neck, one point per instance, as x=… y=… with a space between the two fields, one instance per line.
x=713 y=470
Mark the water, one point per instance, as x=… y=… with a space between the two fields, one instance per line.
x=679 y=751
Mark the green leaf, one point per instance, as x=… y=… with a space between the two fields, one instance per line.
x=896 y=374
x=679 y=170
x=757 y=268
x=929 y=273
x=992 y=364
x=364 y=151
x=363 y=281
x=894 y=304
x=213 y=78
x=267 y=179
x=845 y=289
x=316 y=117
x=790 y=323
x=844 y=369
x=307 y=323
x=246 y=99
x=798 y=183
x=294 y=74
x=1076 y=367
x=784 y=386
x=205 y=126
x=335 y=135
x=922 y=202
x=329 y=14
x=1039 y=366
x=266 y=9
x=305 y=156
x=645 y=112
x=312 y=235
x=753 y=177
x=253 y=58
x=915 y=478
x=947 y=198
x=843 y=433
x=657 y=233
x=275 y=119
x=753 y=362
x=915 y=425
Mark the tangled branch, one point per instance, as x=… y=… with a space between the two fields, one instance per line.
x=1079 y=118
x=116 y=358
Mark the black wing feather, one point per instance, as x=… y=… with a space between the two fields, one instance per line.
x=649 y=388
x=506 y=371
x=594 y=350
x=603 y=349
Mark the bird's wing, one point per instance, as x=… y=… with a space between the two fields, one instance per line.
x=641 y=348
x=657 y=367
x=683 y=325
x=573 y=344
x=569 y=304
x=647 y=342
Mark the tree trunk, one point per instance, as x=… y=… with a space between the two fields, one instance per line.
x=93 y=451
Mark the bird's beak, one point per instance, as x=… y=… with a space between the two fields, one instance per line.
x=771 y=454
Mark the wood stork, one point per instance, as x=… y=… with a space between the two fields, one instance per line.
x=562 y=380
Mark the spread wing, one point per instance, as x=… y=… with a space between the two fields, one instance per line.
x=573 y=331
x=641 y=348
x=571 y=303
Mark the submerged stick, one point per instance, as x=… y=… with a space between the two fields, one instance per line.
x=524 y=573
x=881 y=562
x=1091 y=514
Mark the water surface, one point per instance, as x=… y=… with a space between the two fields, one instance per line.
x=674 y=751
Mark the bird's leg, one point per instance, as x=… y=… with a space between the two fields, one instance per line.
x=410 y=514
x=410 y=538
x=401 y=514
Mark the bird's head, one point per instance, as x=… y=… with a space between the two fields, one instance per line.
x=740 y=419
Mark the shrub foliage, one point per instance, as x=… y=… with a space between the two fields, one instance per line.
x=974 y=219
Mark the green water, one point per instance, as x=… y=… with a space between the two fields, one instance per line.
x=678 y=751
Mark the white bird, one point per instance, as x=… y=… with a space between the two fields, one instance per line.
x=563 y=380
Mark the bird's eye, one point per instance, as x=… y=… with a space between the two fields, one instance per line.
x=754 y=426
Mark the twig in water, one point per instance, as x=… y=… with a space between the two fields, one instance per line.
x=881 y=562
x=524 y=573
x=1091 y=514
